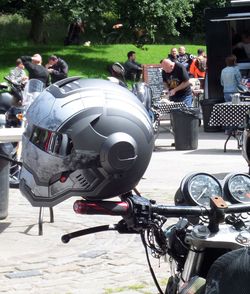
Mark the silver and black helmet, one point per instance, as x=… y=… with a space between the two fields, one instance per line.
x=84 y=137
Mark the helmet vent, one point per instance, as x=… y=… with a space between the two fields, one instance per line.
x=82 y=180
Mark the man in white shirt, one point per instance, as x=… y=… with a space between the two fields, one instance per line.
x=18 y=74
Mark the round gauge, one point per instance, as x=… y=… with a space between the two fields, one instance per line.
x=237 y=188
x=200 y=187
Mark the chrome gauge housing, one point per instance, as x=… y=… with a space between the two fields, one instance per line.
x=237 y=188
x=198 y=188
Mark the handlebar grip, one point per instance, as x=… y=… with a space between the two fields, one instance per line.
x=178 y=211
x=121 y=208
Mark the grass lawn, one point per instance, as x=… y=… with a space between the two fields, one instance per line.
x=87 y=61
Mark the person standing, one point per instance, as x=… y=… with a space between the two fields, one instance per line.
x=133 y=69
x=176 y=80
x=74 y=32
x=230 y=77
x=35 y=68
x=199 y=65
x=57 y=68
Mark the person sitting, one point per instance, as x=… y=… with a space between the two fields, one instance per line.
x=36 y=70
x=173 y=55
x=199 y=65
x=18 y=74
x=133 y=69
x=184 y=58
x=57 y=68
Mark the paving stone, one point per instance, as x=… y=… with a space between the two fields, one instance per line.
x=93 y=263
x=63 y=268
x=31 y=266
x=6 y=269
x=23 y=274
x=65 y=260
x=93 y=254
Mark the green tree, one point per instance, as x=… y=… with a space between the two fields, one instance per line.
x=37 y=11
x=158 y=17
x=197 y=21
x=155 y=16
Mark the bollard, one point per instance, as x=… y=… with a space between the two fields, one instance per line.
x=5 y=149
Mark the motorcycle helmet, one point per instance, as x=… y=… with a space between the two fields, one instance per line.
x=230 y=273
x=84 y=137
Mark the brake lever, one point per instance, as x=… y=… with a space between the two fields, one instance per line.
x=67 y=237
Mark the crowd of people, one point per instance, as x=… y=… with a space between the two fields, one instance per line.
x=56 y=69
x=177 y=69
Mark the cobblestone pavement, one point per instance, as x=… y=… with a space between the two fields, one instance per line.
x=106 y=262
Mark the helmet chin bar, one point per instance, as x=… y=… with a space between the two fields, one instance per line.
x=39 y=201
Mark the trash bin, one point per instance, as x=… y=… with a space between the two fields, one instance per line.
x=207 y=107
x=5 y=149
x=185 y=123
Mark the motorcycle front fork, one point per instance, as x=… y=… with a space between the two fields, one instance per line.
x=191 y=268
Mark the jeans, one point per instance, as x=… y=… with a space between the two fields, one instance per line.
x=227 y=96
x=185 y=99
x=188 y=100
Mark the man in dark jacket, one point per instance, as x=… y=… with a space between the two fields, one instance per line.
x=57 y=68
x=133 y=69
x=35 y=68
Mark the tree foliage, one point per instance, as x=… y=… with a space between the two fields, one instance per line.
x=153 y=16
x=197 y=21
x=157 y=18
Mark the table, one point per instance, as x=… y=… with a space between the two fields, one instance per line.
x=230 y=115
x=164 y=108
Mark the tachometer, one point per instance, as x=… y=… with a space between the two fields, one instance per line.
x=200 y=187
x=237 y=188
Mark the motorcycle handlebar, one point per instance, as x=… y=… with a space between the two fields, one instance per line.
x=138 y=213
x=127 y=208
x=11 y=82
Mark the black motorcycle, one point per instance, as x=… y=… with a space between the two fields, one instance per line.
x=14 y=100
x=10 y=117
x=207 y=247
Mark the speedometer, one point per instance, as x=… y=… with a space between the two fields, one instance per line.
x=237 y=188
x=200 y=187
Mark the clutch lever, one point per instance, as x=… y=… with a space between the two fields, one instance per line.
x=121 y=228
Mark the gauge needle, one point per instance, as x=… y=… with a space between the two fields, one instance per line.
x=202 y=193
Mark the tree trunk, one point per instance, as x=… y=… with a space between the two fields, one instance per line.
x=36 y=33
